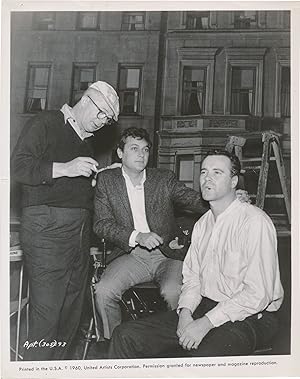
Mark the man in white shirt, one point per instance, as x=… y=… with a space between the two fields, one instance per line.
x=231 y=282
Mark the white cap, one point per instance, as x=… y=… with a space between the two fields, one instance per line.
x=109 y=95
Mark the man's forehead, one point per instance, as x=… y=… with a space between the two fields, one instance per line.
x=130 y=140
x=220 y=161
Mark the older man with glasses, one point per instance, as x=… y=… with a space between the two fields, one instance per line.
x=54 y=163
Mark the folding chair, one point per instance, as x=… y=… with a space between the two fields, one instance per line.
x=99 y=264
x=134 y=303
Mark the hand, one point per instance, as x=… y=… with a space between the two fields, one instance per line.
x=243 y=196
x=185 y=318
x=81 y=166
x=194 y=333
x=149 y=240
x=174 y=244
x=113 y=165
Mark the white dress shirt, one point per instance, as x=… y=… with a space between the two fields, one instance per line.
x=233 y=260
x=136 y=197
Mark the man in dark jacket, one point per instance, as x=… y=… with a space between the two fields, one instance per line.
x=53 y=160
x=135 y=211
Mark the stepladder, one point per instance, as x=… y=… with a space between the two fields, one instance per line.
x=263 y=172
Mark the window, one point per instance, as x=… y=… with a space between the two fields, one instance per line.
x=44 y=20
x=245 y=19
x=243 y=90
x=197 y=20
x=196 y=71
x=83 y=76
x=185 y=169
x=244 y=80
x=88 y=21
x=285 y=92
x=130 y=89
x=37 y=87
x=133 y=21
x=193 y=96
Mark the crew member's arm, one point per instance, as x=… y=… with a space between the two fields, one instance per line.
x=188 y=199
x=29 y=164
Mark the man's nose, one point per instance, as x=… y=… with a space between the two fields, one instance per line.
x=208 y=177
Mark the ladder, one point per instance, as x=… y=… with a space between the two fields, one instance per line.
x=271 y=151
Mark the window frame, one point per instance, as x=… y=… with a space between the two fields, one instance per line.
x=204 y=68
x=121 y=91
x=80 y=27
x=187 y=14
x=254 y=88
x=183 y=157
x=282 y=60
x=203 y=57
x=81 y=65
x=236 y=14
x=35 y=65
x=36 y=23
x=245 y=57
x=130 y=13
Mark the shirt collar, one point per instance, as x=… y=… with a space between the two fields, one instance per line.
x=231 y=207
x=128 y=178
x=69 y=117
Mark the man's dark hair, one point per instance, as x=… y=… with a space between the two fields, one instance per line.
x=138 y=133
x=235 y=162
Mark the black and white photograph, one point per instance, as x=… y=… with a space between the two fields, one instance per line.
x=151 y=189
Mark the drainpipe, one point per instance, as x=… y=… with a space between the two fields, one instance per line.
x=159 y=82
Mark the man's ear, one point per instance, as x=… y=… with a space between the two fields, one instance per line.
x=120 y=153
x=234 y=181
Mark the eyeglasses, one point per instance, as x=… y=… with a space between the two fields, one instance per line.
x=101 y=114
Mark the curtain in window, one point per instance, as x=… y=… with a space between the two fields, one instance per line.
x=193 y=90
x=242 y=102
x=37 y=91
x=197 y=20
x=129 y=89
x=133 y=21
x=242 y=93
x=88 y=20
x=83 y=78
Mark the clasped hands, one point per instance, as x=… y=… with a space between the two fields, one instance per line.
x=149 y=240
x=191 y=332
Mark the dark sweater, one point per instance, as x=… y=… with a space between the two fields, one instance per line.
x=46 y=139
